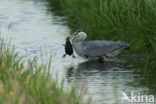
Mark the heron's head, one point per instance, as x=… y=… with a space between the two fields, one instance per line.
x=78 y=35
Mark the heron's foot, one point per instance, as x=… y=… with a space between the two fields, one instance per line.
x=64 y=56
x=101 y=59
x=74 y=56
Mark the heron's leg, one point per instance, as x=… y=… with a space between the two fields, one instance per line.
x=106 y=58
x=64 y=56
x=74 y=56
x=101 y=60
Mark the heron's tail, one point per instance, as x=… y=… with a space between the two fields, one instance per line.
x=128 y=48
x=124 y=45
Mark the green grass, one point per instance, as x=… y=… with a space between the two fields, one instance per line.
x=132 y=21
x=26 y=82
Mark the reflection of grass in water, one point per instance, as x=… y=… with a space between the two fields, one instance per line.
x=26 y=82
x=144 y=77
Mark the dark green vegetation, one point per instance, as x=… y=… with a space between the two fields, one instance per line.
x=132 y=21
x=27 y=82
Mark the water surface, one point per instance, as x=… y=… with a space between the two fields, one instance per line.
x=37 y=32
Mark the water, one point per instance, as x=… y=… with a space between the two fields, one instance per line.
x=37 y=32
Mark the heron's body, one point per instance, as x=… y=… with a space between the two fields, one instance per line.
x=94 y=50
x=97 y=49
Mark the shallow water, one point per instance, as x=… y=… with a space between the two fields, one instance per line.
x=37 y=32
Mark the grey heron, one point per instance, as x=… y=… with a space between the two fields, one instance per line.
x=97 y=49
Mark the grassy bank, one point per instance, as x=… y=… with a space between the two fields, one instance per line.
x=30 y=83
x=132 y=21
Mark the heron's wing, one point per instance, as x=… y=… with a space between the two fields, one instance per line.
x=99 y=48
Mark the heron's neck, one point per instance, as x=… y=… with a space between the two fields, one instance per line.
x=77 y=45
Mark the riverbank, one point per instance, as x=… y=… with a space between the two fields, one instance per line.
x=27 y=82
x=129 y=21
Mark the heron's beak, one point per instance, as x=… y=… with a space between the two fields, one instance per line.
x=73 y=35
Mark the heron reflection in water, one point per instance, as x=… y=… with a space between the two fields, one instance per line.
x=98 y=49
x=91 y=68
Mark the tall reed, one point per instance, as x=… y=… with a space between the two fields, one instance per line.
x=26 y=82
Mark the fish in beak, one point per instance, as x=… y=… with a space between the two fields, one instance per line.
x=68 y=48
